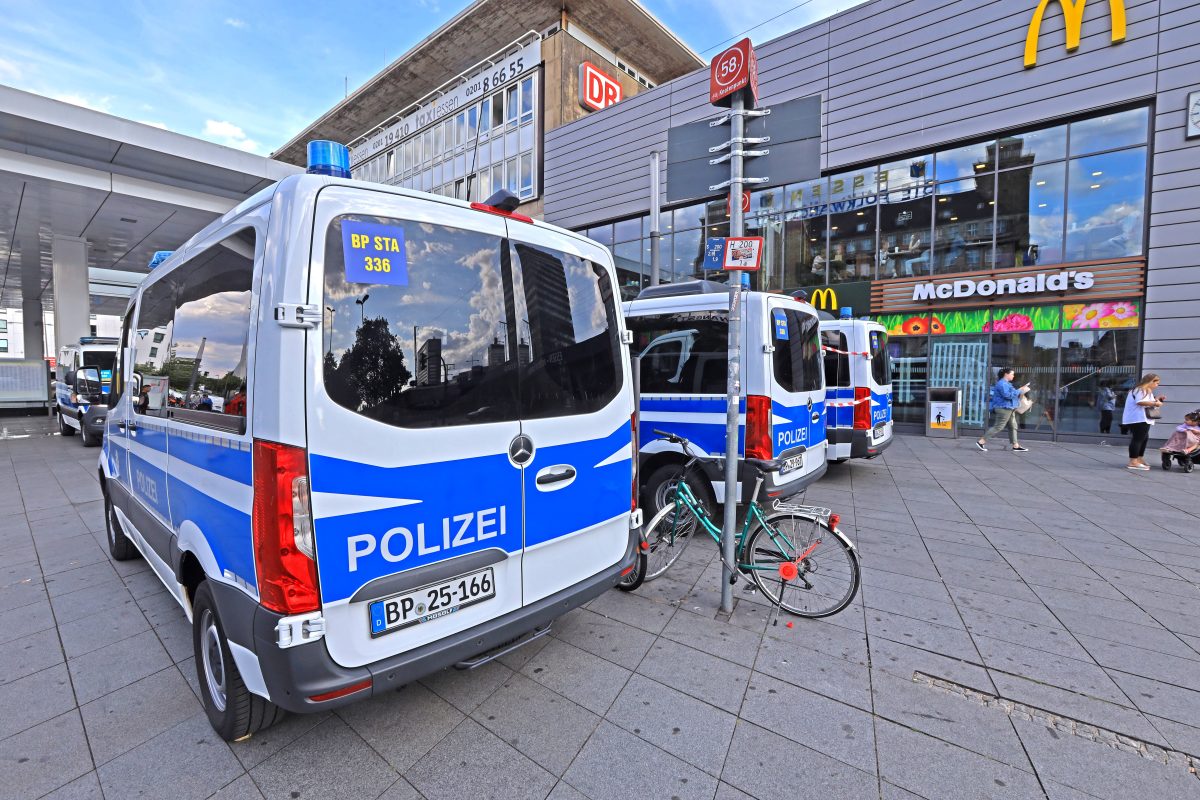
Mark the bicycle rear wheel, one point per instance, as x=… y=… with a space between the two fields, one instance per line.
x=820 y=567
x=666 y=540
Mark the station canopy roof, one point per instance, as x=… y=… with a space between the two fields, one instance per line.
x=126 y=188
x=483 y=28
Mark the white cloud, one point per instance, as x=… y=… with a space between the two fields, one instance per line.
x=228 y=134
x=234 y=22
x=94 y=103
x=9 y=71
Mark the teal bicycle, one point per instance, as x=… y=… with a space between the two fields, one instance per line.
x=795 y=554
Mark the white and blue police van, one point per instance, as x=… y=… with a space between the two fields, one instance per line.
x=858 y=386
x=83 y=375
x=422 y=452
x=680 y=332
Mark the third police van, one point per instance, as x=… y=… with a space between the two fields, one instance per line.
x=84 y=375
x=363 y=433
x=858 y=386
x=680 y=332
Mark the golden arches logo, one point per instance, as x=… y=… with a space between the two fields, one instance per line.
x=824 y=299
x=1073 y=21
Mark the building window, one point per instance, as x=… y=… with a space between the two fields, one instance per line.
x=3 y=326
x=3 y=345
x=154 y=352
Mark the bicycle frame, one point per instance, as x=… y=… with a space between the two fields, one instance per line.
x=754 y=513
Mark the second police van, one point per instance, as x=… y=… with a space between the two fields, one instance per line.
x=858 y=386
x=423 y=452
x=84 y=375
x=680 y=333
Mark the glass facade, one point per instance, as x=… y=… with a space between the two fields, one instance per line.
x=1056 y=194
x=1080 y=360
x=485 y=147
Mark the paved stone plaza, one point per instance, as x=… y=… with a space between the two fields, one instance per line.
x=1028 y=628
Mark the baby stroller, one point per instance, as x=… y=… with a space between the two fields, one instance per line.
x=1184 y=444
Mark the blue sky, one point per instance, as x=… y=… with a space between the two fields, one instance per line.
x=253 y=74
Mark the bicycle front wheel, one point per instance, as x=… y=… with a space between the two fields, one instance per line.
x=666 y=540
x=802 y=566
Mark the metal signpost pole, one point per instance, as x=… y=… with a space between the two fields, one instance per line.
x=655 y=223
x=734 y=382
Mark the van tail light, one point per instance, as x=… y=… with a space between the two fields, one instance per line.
x=758 y=427
x=862 y=408
x=633 y=490
x=284 y=547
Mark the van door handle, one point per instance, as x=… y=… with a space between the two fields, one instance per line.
x=555 y=474
x=126 y=425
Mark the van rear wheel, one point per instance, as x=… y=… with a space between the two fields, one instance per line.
x=63 y=427
x=659 y=490
x=233 y=710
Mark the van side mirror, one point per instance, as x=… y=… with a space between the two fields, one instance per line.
x=87 y=383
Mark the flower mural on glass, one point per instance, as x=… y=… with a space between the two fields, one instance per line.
x=1010 y=323
x=1089 y=316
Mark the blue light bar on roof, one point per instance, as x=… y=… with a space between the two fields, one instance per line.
x=328 y=158
x=847 y=312
x=159 y=257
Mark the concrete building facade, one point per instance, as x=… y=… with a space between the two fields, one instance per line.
x=464 y=112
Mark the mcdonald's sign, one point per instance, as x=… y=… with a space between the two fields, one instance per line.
x=1073 y=21
x=824 y=299
x=832 y=297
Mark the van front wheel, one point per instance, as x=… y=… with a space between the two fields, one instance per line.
x=233 y=710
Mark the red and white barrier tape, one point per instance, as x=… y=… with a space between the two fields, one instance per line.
x=843 y=352
x=847 y=403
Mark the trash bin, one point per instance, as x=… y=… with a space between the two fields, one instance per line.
x=943 y=407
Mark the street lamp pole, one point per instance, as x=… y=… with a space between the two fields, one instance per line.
x=362 y=308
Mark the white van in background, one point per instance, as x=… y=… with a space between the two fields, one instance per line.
x=80 y=401
x=416 y=449
x=680 y=333
x=858 y=387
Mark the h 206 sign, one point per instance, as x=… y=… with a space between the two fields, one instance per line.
x=732 y=71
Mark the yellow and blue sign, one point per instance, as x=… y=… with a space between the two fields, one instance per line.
x=374 y=253
x=781 y=324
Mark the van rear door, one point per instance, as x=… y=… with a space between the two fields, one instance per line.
x=413 y=421
x=574 y=415
x=797 y=388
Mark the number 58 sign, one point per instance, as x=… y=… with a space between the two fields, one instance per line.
x=731 y=71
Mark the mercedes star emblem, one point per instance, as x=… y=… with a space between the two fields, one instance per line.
x=520 y=450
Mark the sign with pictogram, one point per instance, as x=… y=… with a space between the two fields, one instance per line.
x=731 y=71
x=743 y=253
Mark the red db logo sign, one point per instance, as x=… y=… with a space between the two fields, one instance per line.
x=596 y=89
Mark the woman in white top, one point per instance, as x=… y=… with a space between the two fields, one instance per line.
x=1140 y=398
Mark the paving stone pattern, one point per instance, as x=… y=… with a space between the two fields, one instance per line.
x=1027 y=629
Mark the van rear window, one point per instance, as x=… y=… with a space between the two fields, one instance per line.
x=682 y=353
x=881 y=365
x=797 y=357
x=430 y=326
